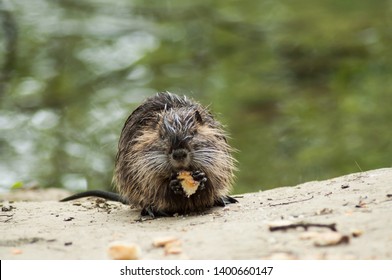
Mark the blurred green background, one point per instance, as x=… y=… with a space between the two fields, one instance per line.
x=304 y=87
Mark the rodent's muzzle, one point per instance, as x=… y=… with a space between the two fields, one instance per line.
x=180 y=158
x=179 y=155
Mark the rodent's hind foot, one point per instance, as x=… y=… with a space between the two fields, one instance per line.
x=153 y=213
x=224 y=200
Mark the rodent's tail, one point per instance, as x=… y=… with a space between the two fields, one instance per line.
x=98 y=193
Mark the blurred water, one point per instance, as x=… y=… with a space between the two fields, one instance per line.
x=304 y=88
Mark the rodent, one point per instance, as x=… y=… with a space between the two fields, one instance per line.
x=165 y=135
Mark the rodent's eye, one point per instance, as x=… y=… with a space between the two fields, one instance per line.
x=190 y=136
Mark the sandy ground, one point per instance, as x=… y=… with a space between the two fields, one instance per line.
x=359 y=204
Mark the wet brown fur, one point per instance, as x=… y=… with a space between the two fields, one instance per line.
x=143 y=170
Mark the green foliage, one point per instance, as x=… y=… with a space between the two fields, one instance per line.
x=303 y=87
x=17 y=185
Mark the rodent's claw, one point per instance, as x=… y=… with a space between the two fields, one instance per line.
x=175 y=186
x=224 y=200
x=198 y=175
x=201 y=178
x=153 y=213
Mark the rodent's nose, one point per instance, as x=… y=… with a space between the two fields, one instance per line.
x=179 y=154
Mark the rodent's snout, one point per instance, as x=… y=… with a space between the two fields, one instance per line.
x=179 y=154
x=180 y=158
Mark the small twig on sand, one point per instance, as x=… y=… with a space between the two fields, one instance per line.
x=303 y=225
x=290 y=202
x=8 y=216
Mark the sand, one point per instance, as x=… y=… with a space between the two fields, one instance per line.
x=358 y=206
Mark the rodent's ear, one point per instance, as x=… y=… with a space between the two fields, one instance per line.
x=198 y=117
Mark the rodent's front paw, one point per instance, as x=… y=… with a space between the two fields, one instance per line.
x=176 y=187
x=200 y=177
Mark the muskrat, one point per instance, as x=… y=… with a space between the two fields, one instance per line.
x=164 y=136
